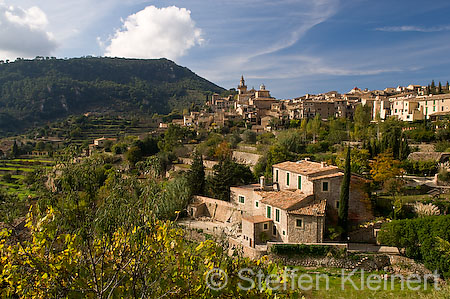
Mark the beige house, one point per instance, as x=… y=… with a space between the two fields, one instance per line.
x=301 y=204
x=101 y=142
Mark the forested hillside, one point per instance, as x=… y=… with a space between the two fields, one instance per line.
x=40 y=90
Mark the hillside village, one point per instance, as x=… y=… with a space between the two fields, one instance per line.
x=261 y=112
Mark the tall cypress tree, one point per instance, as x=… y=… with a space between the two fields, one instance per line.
x=15 y=150
x=197 y=175
x=345 y=196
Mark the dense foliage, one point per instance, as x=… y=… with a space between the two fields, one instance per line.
x=302 y=249
x=419 y=240
x=344 y=197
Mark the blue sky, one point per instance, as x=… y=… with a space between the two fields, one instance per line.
x=292 y=46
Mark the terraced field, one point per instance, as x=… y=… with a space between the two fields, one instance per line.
x=17 y=169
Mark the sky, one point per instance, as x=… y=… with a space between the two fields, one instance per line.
x=294 y=47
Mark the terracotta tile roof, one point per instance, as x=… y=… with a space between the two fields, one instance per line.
x=327 y=176
x=307 y=167
x=313 y=209
x=282 y=199
x=256 y=219
x=250 y=187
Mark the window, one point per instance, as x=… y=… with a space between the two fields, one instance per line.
x=299 y=183
x=274 y=230
x=257 y=204
x=337 y=204
x=277 y=215
x=276 y=175
x=284 y=233
x=269 y=212
x=299 y=223
x=395 y=110
x=325 y=186
x=241 y=199
x=287 y=178
x=434 y=108
x=266 y=226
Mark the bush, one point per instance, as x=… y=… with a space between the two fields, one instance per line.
x=249 y=136
x=444 y=175
x=418 y=239
x=8 y=178
x=442 y=146
x=421 y=168
x=303 y=249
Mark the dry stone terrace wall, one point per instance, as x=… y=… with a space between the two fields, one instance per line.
x=246 y=158
x=220 y=210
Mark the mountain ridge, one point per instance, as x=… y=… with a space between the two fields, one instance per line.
x=33 y=92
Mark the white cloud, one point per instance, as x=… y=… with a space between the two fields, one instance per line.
x=23 y=33
x=413 y=29
x=154 y=33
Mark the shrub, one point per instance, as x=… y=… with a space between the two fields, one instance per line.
x=417 y=239
x=427 y=168
x=303 y=249
x=444 y=175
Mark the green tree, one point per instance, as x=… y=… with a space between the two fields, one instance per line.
x=344 y=197
x=196 y=174
x=276 y=154
x=15 y=150
x=228 y=173
x=133 y=155
x=249 y=136
x=315 y=126
x=362 y=118
x=433 y=87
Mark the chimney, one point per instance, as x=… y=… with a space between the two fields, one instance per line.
x=306 y=159
x=323 y=164
x=262 y=182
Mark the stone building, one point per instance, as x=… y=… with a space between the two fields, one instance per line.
x=300 y=206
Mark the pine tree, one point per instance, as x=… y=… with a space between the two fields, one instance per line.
x=433 y=87
x=440 y=88
x=196 y=175
x=344 y=198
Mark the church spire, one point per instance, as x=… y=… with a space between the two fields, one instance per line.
x=242 y=83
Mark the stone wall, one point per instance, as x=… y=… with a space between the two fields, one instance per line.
x=310 y=232
x=246 y=251
x=208 y=163
x=368 y=263
x=219 y=210
x=246 y=158
x=248 y=207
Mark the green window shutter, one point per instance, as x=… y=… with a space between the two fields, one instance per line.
x=287 y=179
x=300 y=182
x=269 y=212
x=277 y=215
x=276 y=175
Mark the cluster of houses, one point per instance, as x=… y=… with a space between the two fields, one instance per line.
x=260 y=111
